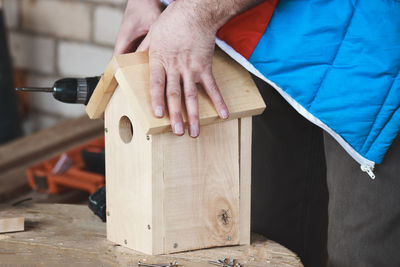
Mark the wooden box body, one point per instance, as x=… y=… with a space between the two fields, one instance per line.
x=169 y=194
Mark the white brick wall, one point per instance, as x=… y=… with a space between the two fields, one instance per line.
x=51 y=39
x=106 y=30
x=77 y=59
x=33 y=53
x=58 y=18
x=38 y=121
x=47 y=103
x=11 y=13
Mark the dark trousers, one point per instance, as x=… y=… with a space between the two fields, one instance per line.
x=295 y=165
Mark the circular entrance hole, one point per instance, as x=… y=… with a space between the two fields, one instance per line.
x=125 y=129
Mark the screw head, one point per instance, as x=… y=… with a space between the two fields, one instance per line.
x=175 y=245
x=148 y=226
x=147 y=137
x=126 y=242
x=106 y=130
x=228 y=238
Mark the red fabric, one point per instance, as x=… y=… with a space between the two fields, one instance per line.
x=244 y=31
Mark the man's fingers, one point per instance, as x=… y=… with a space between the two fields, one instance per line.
x=174 y=102
x=157 y=86
x=210 y=86
x=192 y=105
x=144 y=45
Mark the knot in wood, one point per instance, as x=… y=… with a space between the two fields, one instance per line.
x=225 y=217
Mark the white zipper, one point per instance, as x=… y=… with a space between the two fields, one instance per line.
x=368 y=169
x=366 y=165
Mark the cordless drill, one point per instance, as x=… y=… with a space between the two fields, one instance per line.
x=79 y=90
x=69 y=90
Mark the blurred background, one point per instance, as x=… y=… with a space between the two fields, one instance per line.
x=50 y=151
x=52 y=39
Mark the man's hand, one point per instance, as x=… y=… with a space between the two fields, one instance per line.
x=181 y=49
x=138 y=18
x=181 y=46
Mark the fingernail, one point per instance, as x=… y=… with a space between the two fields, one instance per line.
x=224 y=113
x=194 y=130
x=159 y=111
x=178 y=128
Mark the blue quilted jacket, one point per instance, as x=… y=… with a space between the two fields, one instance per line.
x=335 y=61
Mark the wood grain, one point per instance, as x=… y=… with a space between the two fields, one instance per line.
x=237 y=88
x=70 y=235
x=201 y=188
x=11 y=224
x=245 y=127
x=158 y=194
x=166 y=193
x=128 y=180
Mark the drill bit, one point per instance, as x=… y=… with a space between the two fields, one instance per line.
x=35 y=89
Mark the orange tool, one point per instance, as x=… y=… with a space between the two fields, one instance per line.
x=67 y=171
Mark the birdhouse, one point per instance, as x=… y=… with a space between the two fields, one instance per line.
x=167 y=193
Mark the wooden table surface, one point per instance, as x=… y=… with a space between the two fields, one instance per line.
x=70 y=235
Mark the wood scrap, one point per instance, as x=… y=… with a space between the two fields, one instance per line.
x=12 y=224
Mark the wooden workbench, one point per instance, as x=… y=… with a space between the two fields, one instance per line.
x=70 y=235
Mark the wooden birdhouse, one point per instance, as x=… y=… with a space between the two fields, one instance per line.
x=167 y=193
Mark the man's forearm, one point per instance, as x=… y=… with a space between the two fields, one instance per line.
x=215 y=13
